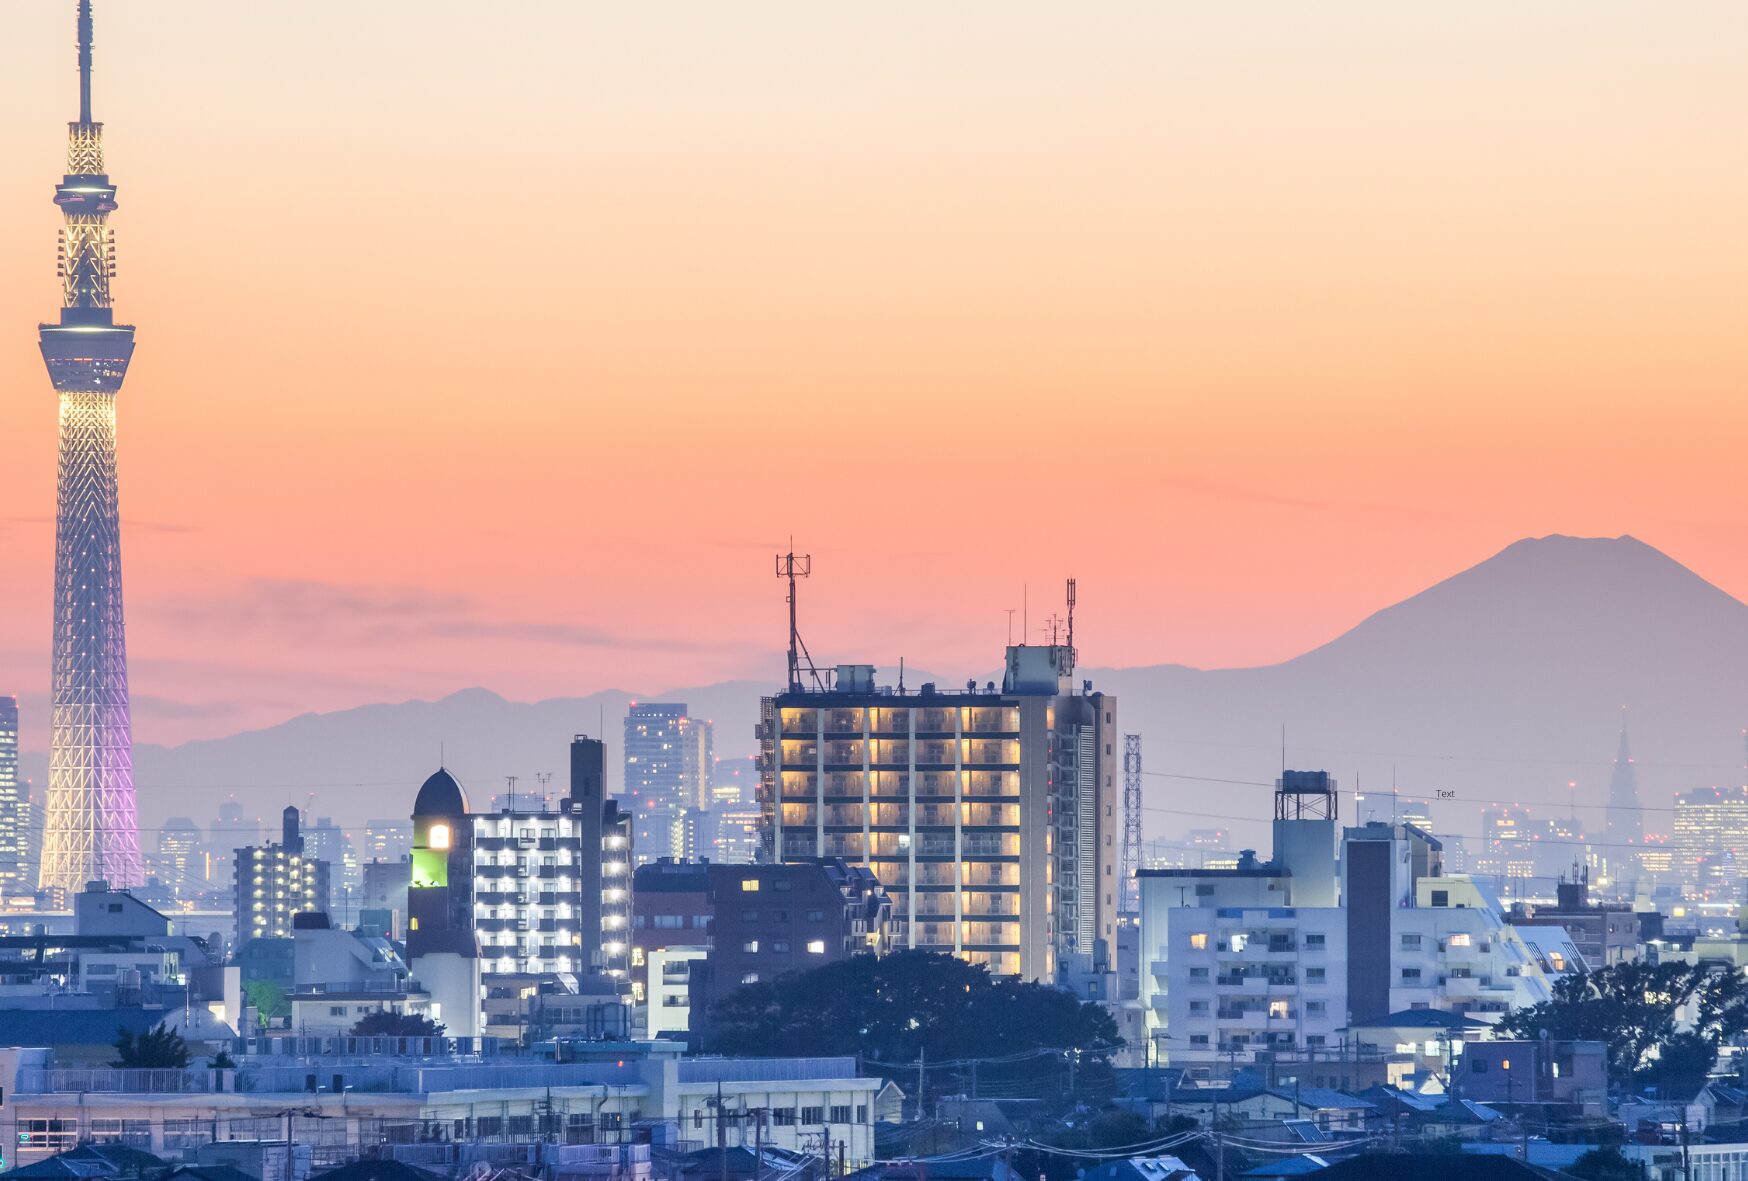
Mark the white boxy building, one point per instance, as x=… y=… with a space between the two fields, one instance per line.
x=1285 y=955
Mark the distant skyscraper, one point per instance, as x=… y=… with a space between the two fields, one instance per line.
x=180 y=856
x=1709 y=822
x=230 y=831
x=1506 y=849
x=386 y=840
x=668 y=761
x=326 y=841
x=1626 y=820
x=14 y=808
x=92 y=827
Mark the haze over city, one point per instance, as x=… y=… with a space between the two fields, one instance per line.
x=503 y=345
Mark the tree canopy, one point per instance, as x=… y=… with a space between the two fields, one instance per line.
x=1637 y=1009
x=269 y=1000
x=159 y=1048
x=967 y=1028
x=903 y=1005
x=388 y=1023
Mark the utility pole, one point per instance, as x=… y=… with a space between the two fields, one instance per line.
x=921 y=1057
x=759 y=1144
x=721 y=1137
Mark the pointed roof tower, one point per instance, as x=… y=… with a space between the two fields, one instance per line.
x=1626 y=820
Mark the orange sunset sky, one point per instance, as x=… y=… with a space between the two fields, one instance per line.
x=503 y=344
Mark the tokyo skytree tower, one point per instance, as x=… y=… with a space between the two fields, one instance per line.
x=91 y=825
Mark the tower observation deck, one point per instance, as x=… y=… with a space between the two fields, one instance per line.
x=91 y=823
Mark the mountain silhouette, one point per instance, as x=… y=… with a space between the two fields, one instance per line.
x=1501 y=683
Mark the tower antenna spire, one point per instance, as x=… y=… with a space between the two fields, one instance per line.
x=85 y=61
x=91 y=818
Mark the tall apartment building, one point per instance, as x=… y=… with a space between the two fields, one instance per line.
x=990 y=815
x=273 y=883
x=528 y=892
x=15 y=876
x=609 y=841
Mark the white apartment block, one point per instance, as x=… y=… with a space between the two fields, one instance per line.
x=527 y=892
x=1246 y=979
x=1455 y=951
x=1285 y=955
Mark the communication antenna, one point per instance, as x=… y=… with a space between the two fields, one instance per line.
x=510 y=782
x=793 y=566
x=1071 y=654
x=1131 y=860
x=545 y=778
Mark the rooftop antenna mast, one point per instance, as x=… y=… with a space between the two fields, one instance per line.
x=510 y=783
x=1071 y=653
x=545 y=778
x=793 y=566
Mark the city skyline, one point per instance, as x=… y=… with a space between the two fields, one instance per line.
x=976 y=225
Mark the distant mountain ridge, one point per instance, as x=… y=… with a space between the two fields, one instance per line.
x=1502 y=682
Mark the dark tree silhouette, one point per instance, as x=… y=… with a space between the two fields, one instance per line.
x=1030 y=1039
x=159 y=1048
x=1632 y=1008
x=386 y=1023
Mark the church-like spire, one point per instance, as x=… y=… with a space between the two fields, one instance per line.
x=1626 y=822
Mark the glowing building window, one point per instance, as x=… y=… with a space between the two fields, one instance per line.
x=749 y=885
x=816 y=947
x=439 y=836
x=1199 y=941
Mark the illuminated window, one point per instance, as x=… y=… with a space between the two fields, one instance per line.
x=439 y=836
x=750 y=885
x=1199 y=941
x=816 y=947
x=412 y=924
x=1277 y=1008
x=1461 y=940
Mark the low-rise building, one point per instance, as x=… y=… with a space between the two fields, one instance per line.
x=342 y=1104
x=1535 y=1072
x=1605 y=934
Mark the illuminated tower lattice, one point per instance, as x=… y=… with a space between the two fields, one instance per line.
x=91 y=826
